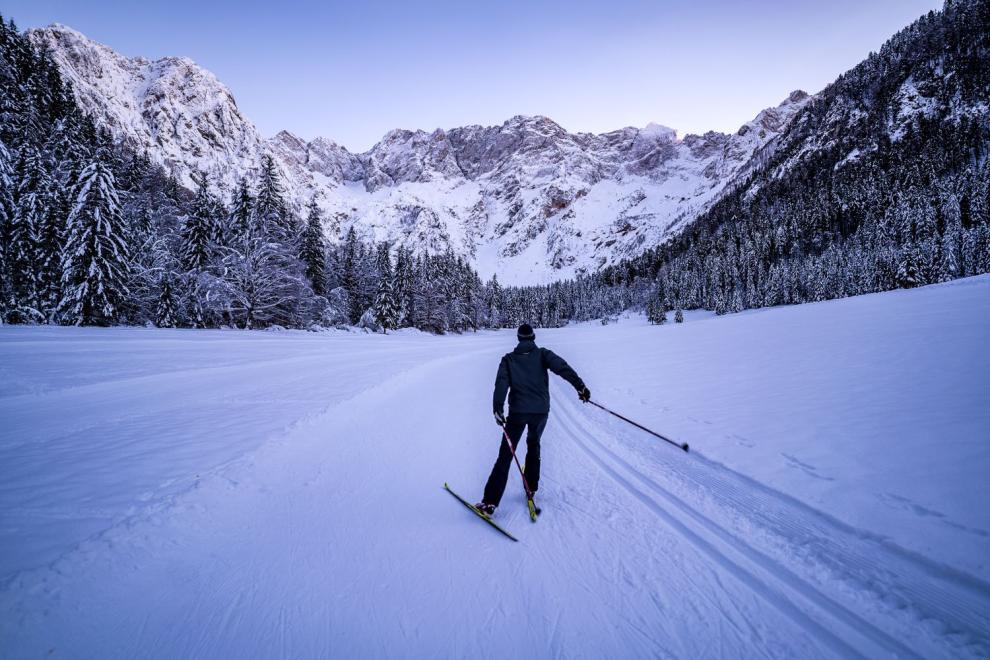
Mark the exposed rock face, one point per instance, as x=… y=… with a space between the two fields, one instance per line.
x=526 y=199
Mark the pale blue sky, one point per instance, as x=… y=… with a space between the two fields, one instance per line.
x=352 y=71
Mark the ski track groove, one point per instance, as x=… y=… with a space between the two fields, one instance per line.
x=957 y=603
x=818 y=527
x=614 y=569
x=902 y=581
x=775 y=573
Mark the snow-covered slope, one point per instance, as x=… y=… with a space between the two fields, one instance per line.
x=526 y=199
x=286 y=500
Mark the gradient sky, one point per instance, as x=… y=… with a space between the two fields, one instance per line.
x=352 y=71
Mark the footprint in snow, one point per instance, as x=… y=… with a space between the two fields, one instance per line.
x=905 y=504
x=809 y=470
x=745 y=442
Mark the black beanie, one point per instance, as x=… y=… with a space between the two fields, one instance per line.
x=525 y=333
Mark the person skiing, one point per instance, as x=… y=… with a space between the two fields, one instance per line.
x=522 y=374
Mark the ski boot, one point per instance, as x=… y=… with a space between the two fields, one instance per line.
x=485 y=509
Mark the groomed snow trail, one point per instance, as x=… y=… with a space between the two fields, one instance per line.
x=339 y=540
x=329 y=533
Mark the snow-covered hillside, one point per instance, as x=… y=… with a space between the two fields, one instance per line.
x=526 y=199
x=173 y=493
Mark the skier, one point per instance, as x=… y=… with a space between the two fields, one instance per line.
x=523 y=375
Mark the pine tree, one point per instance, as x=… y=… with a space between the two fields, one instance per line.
x=349 y=275
x=271 y=208
x=24 y=249
x=51 y=241
x=314 y=253
x=403 y=285
x=96 y=262
x=166 y=313
x=199 y=232
x=907 y=270
x=241 y=222
x=495 y=303
x=386 y=305
x=656 y=308
x=6 y=213
x=679 y=316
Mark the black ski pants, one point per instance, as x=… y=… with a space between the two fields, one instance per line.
x=514 y=426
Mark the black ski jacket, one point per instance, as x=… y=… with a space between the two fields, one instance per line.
x=523 y=375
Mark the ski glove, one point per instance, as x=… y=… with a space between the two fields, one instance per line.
x=585 y=395
x=499 y=418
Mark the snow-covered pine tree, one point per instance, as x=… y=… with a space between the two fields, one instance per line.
x=403 y=285
x=386 y=307
x=313 y=252
x=240 y=225
x=271 y=208
x=349 y=274
x=495 y=303
x=450 y=290
x=24 y=249
x=95 y=264
x=166 y=313
x=908 y=275
x=679 y=315
x=477 y=304
x=199 y=231
x=949 y=249
x=430 y=308
x=6 y=212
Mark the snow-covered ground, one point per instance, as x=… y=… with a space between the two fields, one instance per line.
x=244 y=494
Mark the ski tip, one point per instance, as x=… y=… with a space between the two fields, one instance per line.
x=684 y=446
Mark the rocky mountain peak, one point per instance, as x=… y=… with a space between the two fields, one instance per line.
x=526 y=198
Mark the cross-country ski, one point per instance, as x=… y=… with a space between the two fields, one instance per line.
x=481 y=514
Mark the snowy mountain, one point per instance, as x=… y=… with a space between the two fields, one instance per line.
x=526 y=199
x=881 y=182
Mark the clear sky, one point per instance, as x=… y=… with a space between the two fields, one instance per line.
x=353 y=70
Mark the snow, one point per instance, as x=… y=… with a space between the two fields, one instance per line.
x=912 y=103
x=177 y=493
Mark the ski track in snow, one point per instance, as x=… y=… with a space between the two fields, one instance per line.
x=891 y=583
x=327 y=533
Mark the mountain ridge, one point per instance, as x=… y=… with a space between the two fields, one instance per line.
x=525 y=199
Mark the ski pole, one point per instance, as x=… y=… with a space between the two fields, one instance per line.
x=533 y=510
x=683 y=446
x=508 y=441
